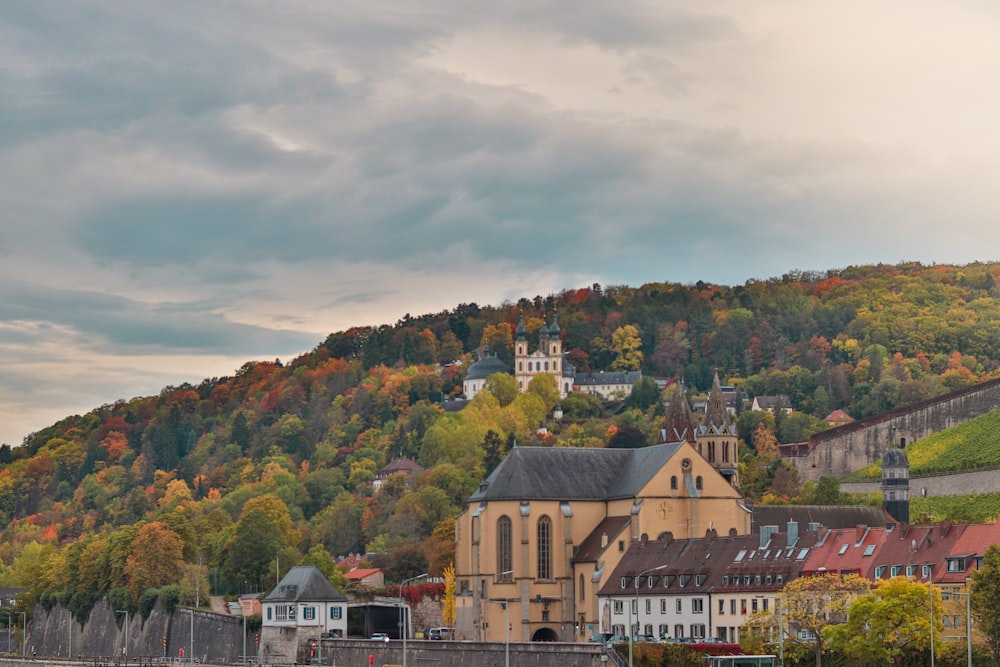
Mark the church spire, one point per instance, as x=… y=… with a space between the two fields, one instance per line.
x=716 y=414
x=521 y=333
x=679 y=424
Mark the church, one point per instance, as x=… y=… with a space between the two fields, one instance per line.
x=544 y=531
x=547 y=359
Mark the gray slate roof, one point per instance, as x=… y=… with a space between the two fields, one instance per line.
x=602 y=378
x=568 y=473
x=304 y=583
x=828 y=516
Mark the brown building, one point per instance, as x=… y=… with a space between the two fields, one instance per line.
x=544 y=532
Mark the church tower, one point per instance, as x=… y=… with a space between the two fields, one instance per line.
x=717 y=440
x=679 y=424
x=896 y=484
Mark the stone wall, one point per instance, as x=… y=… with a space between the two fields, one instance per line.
x=217 y=637
x=952 y=484
x=846 y=449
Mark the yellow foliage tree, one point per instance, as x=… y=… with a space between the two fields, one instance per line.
x=449 y=596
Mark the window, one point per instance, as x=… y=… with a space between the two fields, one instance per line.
x=663 y=630
x=869 y=550
x=619 y=607
x=634 y=607
x=678 y=630
x=722 y=607
x=911 y=570
x=879 y=571
x=309 y=613
x=697 y=606
x=699 y=579
x=673 y=482
x=648 y=629
x=697 y=482
x=732 y=606
x=269 y=613
x=894 y=570
x=663 y=605
x=677 y=605
x=753 y=605
x=545 y=548
x=698 y=630
x=725 y=452
x=582 y=594
x=743 y=605
x=625 y=581
x=336 y=613
x=764 y=605
x=284 y=612
x=925 y=571
x=843 y=550
x=505 y=548
x=711 y=452
x=649 y=606
x=740 y=555
x=684 y=578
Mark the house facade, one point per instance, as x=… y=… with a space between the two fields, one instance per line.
x=301 y=608
x=540 y=537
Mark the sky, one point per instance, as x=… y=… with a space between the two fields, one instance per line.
x=189 y=185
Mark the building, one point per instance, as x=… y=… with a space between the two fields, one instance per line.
x=404 y=466
x=610 y=386
x=475 y=377
x=772 y=404
x=372 y=577
x=303 y=606
x=549 y=525
x=547 y=359
x=714 y=437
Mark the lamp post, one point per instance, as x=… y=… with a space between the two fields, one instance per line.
x=968 y=622
x=124 y=648
x=243 y=609
x=191 y=635
x=403 y=616
x=637 y=583
x=506 y=628
x=24 y=629
x=10 y=619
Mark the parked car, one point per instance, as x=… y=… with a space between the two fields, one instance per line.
x=380 y=636
x=616 y=639
x=441 y=633
x=600 y=637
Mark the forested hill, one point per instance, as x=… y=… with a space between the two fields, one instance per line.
x=303 y=439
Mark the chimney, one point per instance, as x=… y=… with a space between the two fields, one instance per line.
x=793 y=533
x=765 y=534
x=604 y=540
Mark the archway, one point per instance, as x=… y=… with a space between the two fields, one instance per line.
x=545 y=635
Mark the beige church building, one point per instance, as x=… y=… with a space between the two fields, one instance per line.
x=544 y=531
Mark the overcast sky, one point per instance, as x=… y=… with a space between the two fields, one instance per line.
x=191 y=184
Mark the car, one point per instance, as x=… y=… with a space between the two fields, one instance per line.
x=711 y=640
x=616 y=639
x=333 y=634
x=380 y=636
x=441 y=633
x=600 y=637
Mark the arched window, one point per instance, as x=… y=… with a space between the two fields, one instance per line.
x=583 y=597
x=520 y=366
x=545 y=548
x=711 y=452
x=725 y=452
x=546 y=365
x=697 y=482
x=673 y=482
x=505 y=547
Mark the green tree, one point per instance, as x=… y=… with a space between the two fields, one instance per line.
x=890 y=625
x=813 y=604
x=503 y=386
x=546 y=386
x=645 y=394
x=984 y=588
x=251 y=552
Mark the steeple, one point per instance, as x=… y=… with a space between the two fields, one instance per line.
x=554 y=330
x=679 y=424
x=521 y=333
x=716 y=415
x=896 y=484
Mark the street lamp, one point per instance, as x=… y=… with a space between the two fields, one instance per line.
x=781 y=629
x=191 y=646
x=402 y=616
x=506 y=628
x=124 y=648
x=637 y=583
x=24 y=629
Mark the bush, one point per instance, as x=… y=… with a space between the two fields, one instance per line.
x=169 y=597
x=147 y=601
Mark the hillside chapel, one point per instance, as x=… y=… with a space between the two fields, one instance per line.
x=548 y=359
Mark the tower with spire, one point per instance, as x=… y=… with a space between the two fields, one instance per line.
x=715 y=437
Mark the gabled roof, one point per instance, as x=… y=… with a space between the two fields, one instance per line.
x=304 y=583
x=778 y=402
x=404 y=465
x=830 y=516
x=360 y=573
x=570 y=473
x=838 y=416
x=593 y=545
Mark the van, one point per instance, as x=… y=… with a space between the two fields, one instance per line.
x=441 y=633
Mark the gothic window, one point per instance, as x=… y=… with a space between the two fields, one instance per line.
x=505 y=546
x=697 y=482
x=545 y=548
x=711 y=452
x=582 y=598
x=673 y=482
x=725 y=452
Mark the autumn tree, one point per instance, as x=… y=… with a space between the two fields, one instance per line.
x=627 y=346
x=448 y=612
x=984 y=589
x=252 y=549
x=503 y=386
x=890 y=625
x=546 y=386
x=155 y=558
x=814 y=603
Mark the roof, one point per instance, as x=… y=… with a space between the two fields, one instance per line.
x=779 y=402
x=304 y=583
x=838 y=416
x=593 y=545
x=679 y=424
x=360 y=573
x=603 y=377
x=830 y=516
x=716 y=415
x=488 y=365
x=404 y=465
x=571 y=473
x=895 y=457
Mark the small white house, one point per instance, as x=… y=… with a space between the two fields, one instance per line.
x=305 y=601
